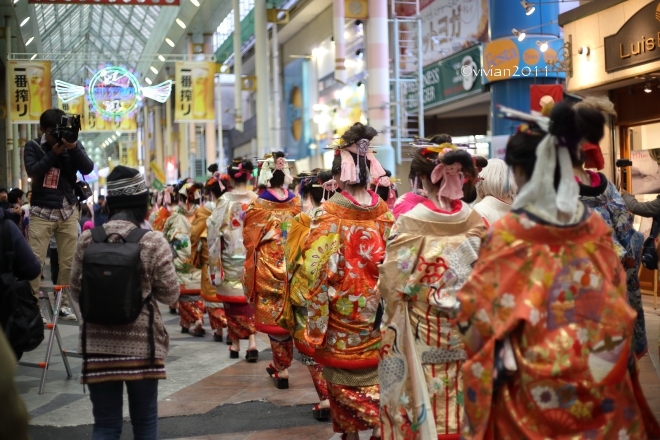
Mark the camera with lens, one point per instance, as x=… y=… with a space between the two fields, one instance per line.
x=68 y=129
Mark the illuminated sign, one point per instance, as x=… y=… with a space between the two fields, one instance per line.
x=109 y=2
x=114 y=92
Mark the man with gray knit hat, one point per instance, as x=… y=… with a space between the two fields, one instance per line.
x=132 y=353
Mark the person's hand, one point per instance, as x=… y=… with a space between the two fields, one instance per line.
x=68 y=145
x=58 y=149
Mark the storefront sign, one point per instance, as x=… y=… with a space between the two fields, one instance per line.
x=448 y=26
x=195 y=97
x=447 y=79
x=508 y=58
x=29 y=94
x=637 y=42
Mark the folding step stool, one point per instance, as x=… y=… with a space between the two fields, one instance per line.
x=55 y=334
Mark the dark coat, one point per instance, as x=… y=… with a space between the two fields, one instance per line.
x=26 y=265
x=39 y=159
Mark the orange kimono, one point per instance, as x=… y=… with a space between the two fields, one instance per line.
x=161 y=217
x=342 y=252
x=558 y=295
x=200 y=256
x=264 y=234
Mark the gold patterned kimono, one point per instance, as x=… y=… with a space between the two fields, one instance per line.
x=429 y=257
x=264 y=234
x=177 y=230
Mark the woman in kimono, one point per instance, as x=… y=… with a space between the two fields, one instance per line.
x=227 y=258
x=341 y=255
x=214 y=188
x=177 y=231
x=599 y=194
x=267 y=223
x=547 y=326
x=496 y=191
x=315 y=188
x=386 y=189
x=429 y=257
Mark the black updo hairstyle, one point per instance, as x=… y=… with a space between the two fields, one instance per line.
x=312 y=185
x=384 y=191
x=569 y=125
x=424 y=161
x=352 y=135
x=277 y=181
x=214 y=186
x=184 y=197
x=247 y=167
x=440 y=139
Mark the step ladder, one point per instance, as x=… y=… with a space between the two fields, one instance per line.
x=54 y=335
x=407 y=76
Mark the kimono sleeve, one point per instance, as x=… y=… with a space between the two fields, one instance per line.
x=622 y=220
x=214 y=239
x=321 y=266
x=252 y=234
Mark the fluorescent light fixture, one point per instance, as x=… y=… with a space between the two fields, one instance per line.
x=148 y=81
x=33 y=57
x=24 y=22
x=180 y=23
x=16 y=1
x=118 y=133
x=27 y=43
x=170 y=42
x=162 y=58
x=195 y=2
x=114 y=137
x=154 y=70
x=647 y=87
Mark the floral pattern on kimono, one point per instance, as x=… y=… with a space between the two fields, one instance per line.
x=611 y=206
x=226 y=249
x=177 y=230
x=264 y=235
x=345 y=245
x=558 y=293
x=429 y=258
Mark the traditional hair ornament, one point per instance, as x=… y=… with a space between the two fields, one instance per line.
x=216 y=178
x=540 y=190
x=330 y=186
x=190 y=191
x=239 y=171
x=350 y=172
x=450 y=178
x=167 y=195
x=271 y=164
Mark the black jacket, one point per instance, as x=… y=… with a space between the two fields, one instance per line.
x=40 y=158
x=26 y=265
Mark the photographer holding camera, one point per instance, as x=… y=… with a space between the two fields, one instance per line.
x=52 y=163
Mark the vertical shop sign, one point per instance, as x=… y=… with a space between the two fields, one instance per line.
x=159 y=175
x=195 y=86
x=30 y=93
x=95 y=123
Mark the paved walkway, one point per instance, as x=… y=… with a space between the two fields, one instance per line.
x=208 y=396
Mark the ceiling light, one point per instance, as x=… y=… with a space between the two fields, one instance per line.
x=520 y=34
x=29 y=41
x=543 y=46
x=33 y=57
x=25 y=21
x=114 y=137
x=162 y=58
x=647 y=87
x=180 y=23
x=170 y=42
x=584 y=50
x=529 y=8
x=118 y=133
x=148 y=81
x=154 y=70
x=195 y=2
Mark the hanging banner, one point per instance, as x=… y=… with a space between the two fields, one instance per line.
x=159 y=175
x=108 y=2
x=93 y=122
x=30 y=92
x=195 y=87
x=74 y=107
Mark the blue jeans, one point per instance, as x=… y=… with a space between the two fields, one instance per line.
x=107 y=400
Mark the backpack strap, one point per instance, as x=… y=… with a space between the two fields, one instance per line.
x=7 y=248
x=99 y=235
x=135 y=235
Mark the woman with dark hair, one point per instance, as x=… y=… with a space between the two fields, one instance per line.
x=341 y=255
x=177 y=231
x=227 y=258
x=546 y=324
x=599 y=194
x=118 y=354
x=267 y=223
x=385 y=189
x=315 y=188
x=429 y=257
x=213 y=190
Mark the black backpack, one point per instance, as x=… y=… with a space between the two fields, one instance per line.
x=19 y=310
x=649 y=250
x=111 y=291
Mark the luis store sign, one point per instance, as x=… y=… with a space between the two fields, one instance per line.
x=637 y=42
x=452 y=77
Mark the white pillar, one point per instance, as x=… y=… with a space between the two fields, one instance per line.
x=218 y=118
x=211 y=144
x=261 y=69
x=341 y=75
x=183 y=150
x=378 y=82
x=238 y=68
x=277 y=99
